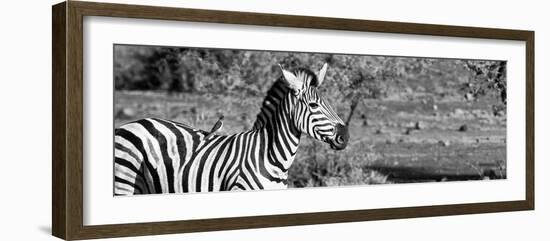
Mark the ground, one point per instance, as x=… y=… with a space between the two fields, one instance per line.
x=414 y=138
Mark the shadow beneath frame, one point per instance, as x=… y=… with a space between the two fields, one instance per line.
x=45 y=229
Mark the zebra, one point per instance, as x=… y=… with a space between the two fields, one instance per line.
x=154 y=155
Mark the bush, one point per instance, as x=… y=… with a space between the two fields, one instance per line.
x=318 y=166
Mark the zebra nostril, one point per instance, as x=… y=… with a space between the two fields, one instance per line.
x=339 y=139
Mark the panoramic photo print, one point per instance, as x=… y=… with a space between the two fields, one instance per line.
x=192 y=120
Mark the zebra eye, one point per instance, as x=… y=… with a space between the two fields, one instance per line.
x=313 y=105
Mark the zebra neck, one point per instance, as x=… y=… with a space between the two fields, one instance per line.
x=283 y=137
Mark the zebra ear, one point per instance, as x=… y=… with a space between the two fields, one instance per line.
x=321 y=75
x=291 y=79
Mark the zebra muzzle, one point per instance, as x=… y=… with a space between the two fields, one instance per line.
x=341 y=137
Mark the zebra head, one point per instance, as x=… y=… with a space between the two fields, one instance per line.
x=312 y=114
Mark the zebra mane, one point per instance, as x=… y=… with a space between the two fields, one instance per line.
x=276 y=94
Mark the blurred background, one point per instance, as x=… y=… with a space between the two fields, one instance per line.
x=410 y=119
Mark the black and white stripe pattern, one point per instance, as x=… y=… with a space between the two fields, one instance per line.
x=161 y=156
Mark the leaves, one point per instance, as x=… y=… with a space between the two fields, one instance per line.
x=487 y=77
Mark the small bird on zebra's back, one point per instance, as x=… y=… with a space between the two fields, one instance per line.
x=217 y=126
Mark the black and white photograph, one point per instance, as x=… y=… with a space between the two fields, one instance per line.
x=191 y=119
x=273 y=120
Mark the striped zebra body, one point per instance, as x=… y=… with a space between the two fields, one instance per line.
x=161 y=156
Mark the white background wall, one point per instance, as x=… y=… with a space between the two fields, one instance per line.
x=25 y=123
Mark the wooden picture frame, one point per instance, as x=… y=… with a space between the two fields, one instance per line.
x=67 y=123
